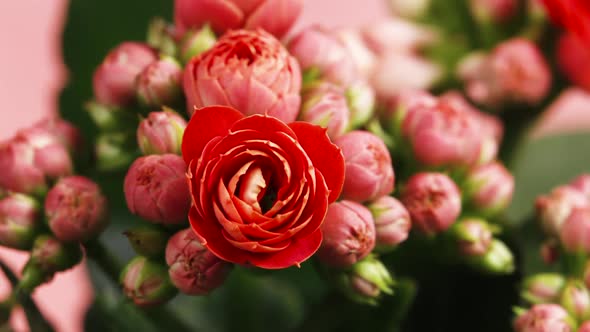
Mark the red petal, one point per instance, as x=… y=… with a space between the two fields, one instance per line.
x=296 y=253
x=263 y=124
x=325 y=156
x=206 y=124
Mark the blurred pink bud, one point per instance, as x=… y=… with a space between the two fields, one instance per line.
x=76 y=210
x=325 y=105
x=18 y=169
x=575 y=231
x=544 y=318
x=582 y=184
x=156 y=189
x=192 y=268
x=161 y=133
x=63 y=131
x=275 y=16
x=397 y=35
x=250 y=71
x=369 y=172
x=553 y=209
x=573 y=58
x=318 y=49
x=575 y=298
x=196 y=42
x=360 y=97
x=433 y=200
x=159 y=83
x=349 y=234
x=396 y=72
x=50 y=155
x=493 y=11
x=19 y=218
x=114 y=80
x=490 y=188
x=515 y=72
x=473 y=237
x=362 y=56
x=397 y=108
x=585 y=327
x=409 y=8
x=549 y=251
x=146 y=282
x=543 y=288
x=392 y=222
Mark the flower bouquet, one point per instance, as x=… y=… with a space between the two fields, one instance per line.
x=230 y=170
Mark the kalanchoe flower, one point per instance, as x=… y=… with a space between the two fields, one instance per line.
x=392 y=222
x=493 y=11
x=349 y=234
x=321 y=54
x=497 y=260
x=49 y=154
x=575 y=298
x=515 y=72
x=433 y=200
x=146 y=282
x=369 y=172
x=473 y=237
x=114 y=80
x=160 y=83
x=396 y=109
x=544 y=318
x=360 y=97
x=248 y=70
x=582 y=184
x=68 y=135
x=260 y=188
x=161 y=133
x=156 y=190
x=553 y=209
x=490 y=188
x=148 y=240
x=324 y=104
x=543 y=288
x=365 y=281
x=192 y=268
x=275 y=16
x=76 y=210
x=19 y=221
x=48 y=257
x=575 y=231
x=195 y=42
x=573 y=58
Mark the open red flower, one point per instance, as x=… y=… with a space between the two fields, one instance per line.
x=260 y=188
x=574 y=15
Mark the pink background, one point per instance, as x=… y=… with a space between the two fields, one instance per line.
x=31 y=74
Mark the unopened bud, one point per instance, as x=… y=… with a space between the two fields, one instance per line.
x=575 y=231
x=498 y=259
x=196 y=42
x=543 y=288
x=147 y=240
x=19 y=221
x=161 y=132
x=582 y=184
x=366 y=281
x=490 y=188
x=584 y=327
x=160 y=83
x=473 y=237
x=324 y=104
x=160 y=35
x=146 y=282
x=553 y=209
x=575 y=298
x=392 y=222
x=361 y=103
x=544 y=318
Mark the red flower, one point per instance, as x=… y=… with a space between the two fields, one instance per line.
x=574 y=15
x=260 y=188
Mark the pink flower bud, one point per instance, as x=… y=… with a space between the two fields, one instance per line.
x=582 y=184
x=114 y=80
x=493 y=11
x=250 y=71
x=19 y=220
x=156 y=189
x=325 y=105
x=275 y=16
x=320 y=50
x=365 y=281
x=473 y=237
x=490 y=188
x=397 y=108
x=361 y=101
x=50 y=155
x=575 y=298
x=19 y=171
x=146 y=282
x=543 y=288
x=575 y=231
x=349 y=234
x=573 y=58
x=585 y=327
x=554 y=209
x=76 y=210
x=161 y=133
x=369 y=172
x=392 y=222
x=192 y=268
x=159 y=83
x=544 y=318
x=196 y=42
x=397 y=35
x=515 y=72
x=68 y=135
x=433 y=200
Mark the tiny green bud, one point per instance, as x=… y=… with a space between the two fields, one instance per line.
x=146 y=282
x=498 y=259
x=542 y=288
x=147 y=240
x=365 y=281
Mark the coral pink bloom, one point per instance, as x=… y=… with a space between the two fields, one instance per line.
x=260 y=188
x=248 y=70
x=274 y=16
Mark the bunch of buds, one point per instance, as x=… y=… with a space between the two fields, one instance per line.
x=44 y=208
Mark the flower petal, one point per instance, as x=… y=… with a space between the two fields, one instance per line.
x=296 y=253
x=263 y=124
